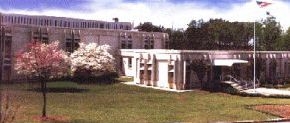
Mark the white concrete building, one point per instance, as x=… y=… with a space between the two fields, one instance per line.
x=173 y=68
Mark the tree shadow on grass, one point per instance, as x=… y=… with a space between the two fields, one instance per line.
x=61 y=90
x=106 y=79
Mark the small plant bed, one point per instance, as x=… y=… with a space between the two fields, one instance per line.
x=282 y=111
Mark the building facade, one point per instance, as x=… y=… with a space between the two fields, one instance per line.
x=175 y=69
x=16 y=31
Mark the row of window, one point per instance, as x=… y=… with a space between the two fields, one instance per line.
x=149 y=42
x=63 y=23
x=126 y=42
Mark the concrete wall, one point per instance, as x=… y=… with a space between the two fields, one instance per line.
x=22 y=35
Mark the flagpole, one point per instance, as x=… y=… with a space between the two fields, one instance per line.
x=261 y=4
x=254 y=56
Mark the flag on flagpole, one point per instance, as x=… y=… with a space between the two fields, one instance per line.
x=270 y=15
x=263 y=3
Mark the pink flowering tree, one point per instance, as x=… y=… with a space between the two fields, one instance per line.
x=44 y=61
x=92 y=60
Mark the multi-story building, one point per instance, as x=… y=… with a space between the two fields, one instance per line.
x=16 y=31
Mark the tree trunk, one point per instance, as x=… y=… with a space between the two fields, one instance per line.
x=201 y=84
x=43 y=89
x=1 y=115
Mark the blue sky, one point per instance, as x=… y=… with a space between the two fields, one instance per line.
x=80 y=4
x=169 y=13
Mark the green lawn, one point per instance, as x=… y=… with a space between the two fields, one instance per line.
x=124 y=103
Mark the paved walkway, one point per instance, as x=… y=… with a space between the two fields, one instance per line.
x=258 y=91
x=158 y=88
x=268 y=92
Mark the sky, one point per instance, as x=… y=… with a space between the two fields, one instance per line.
x=167 y=13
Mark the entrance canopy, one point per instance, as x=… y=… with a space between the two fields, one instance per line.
x=228 y=62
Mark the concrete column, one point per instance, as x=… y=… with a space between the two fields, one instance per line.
x=153 y=72
x=145 y=72
x=136 y=72
x=184 y=73
x=179 y=75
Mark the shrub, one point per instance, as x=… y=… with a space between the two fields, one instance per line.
x=91 y=61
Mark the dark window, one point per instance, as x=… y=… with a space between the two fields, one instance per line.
x=127 y=28
x=65 y=23
x=72 y=44
x=130 y=62
x=148 y=42
x=68 y=46
x=123 y=44
x=102 y=25
x=7 y=41
x=129 y=44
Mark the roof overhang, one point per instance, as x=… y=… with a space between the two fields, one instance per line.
x=228 y=62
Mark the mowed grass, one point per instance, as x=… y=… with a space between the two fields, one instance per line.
x=123 y=103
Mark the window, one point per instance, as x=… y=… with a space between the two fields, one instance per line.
x=64 y=23
x=123 y=44
x=7 y=42
x=102 y=25
x=129 y=62
x=50 y=22
x=46 y=23
x=127 y=28
x=72 y=43
x=41 y=22
x=24 y=20
x=148 y=42
x=55 y=22
x=126 y=42
x=129 y=44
